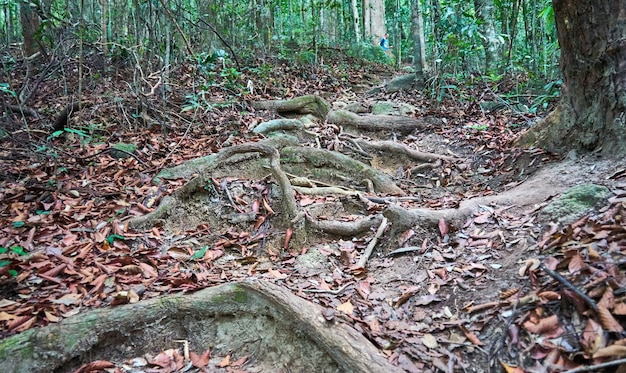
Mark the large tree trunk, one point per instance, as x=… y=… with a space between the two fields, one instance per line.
x=374 y=19
x=378 y=18
x=593 y=60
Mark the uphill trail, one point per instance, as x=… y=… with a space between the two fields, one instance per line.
x=313 y=196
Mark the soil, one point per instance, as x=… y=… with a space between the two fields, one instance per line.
x=419 y=282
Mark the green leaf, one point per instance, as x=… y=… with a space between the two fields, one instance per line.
x=19 y=250
x=200 y=253
x=4 y=263
x=4 y=87
x=77 y=132
x=18 y=224
x=13 y=272
x=55 y=134
x=114 y=237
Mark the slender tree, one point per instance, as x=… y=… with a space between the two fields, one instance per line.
x=484 y=10
x=356 y=20
x=418 y=42
x=30 y=24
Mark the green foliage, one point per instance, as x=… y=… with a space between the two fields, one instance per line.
x=193 y=102
x=215 y=74
x=525 y=36
x=230 y=76
x=110 y=239
x=369 y=52
x=547 y=15
x=478 y=127
x=127 y=147
x=11 y=252
x=306 y=57
x=17 y=250
x=5 y=88
x=552 y=92
x=208 y=62
x=200 y=253
x=84 y=137
x=447 y=88
x=263 y=72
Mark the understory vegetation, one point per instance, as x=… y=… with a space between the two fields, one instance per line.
x=258 y=186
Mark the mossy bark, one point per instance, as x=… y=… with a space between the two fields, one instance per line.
x=403 y=125
x=153 y=324
x=302 y=105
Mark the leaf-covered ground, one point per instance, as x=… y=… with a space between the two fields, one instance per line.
x=483 y=295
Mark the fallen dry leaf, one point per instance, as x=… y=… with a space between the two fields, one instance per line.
x=510 y=368
x=443 y=227
x=200 y=361
x=430 y=341
x=529 y=266
x=610 y=351
x=94 y=366
x=471 y=336
x=346 y=308
x=225 y=362
x=608 y=321
x=277 y=274
x=544 y=325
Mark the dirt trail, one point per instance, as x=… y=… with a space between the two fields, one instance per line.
x=295 y=193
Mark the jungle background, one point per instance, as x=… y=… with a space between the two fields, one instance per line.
x=273 y=149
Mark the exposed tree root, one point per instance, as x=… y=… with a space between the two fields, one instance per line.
x=310 y=104
x=27 y=111
x=325 y=161
x=395 y=147
x=528 y=193
x=196 y=184
x=345 y=228
x=278 y=125
x=153 y=325
x=63 y=118
x=425 y=166
x=318 y=157
x=403 y=125
x=325 y=191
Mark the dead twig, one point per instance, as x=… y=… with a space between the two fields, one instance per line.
x=596 y=367
x=370 y=247
x=590 y=302
x=325 y=291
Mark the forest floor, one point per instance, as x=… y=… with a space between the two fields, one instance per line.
x=472 y=289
